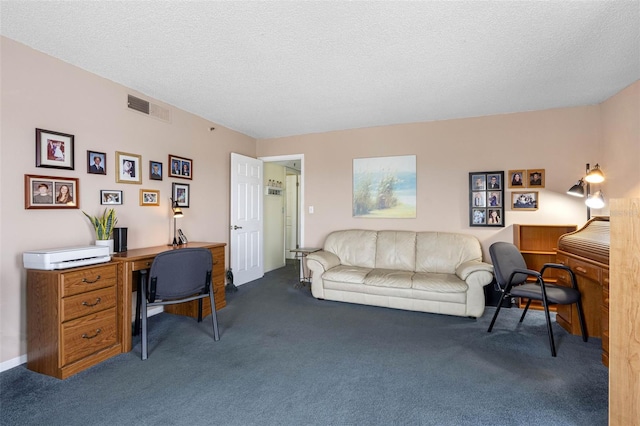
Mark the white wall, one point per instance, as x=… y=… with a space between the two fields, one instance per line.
x=274 y=219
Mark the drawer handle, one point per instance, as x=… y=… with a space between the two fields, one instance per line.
x=86 y=336
x=84 y=280
x=581 y=269
x=98 y=300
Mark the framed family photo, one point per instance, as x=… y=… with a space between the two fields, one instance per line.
x=51 y=192
x=180 y=167
x=517 y=178
x=110 y=197
x=180 y=194
x=536 y=178
x=54 y=150
x=524 y=200
x=96 y=163
x=128 y=168
x=149 y=197
x=486 y=199
x=155 y=170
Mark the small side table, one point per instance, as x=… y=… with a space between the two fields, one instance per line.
x=300 y=254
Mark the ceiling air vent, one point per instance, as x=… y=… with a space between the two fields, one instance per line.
x=146 y=107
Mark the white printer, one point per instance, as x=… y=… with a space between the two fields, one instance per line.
x=66 y=257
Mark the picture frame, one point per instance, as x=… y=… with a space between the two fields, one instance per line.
x=149 y=197
x=535 y=178
x=385 y=187
x=51 y=192
x=111 y=197
x=96 y=163
x=128 y=168
x=55 y=150
x=180 y=193
x=180 y=167
x=517 y=178
x=155 y=170
x=486 y=199
x=524 y=200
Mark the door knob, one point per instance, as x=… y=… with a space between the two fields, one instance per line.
x=236 y=227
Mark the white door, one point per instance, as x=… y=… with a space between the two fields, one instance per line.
x=245 y=242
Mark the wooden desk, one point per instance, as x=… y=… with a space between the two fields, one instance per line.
x=139 y=259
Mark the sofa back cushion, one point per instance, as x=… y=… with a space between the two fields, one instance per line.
x=396 y=250
x=354 y=247
x=443 y=252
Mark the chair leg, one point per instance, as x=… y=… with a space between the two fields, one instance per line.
x=549 y=330
x=136 y=321
x=583 y=327
x=526 y=309
x=214 y=316
x=493 y=320
x=199 y=310
x=144 y=321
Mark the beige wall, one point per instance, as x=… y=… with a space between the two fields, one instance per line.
x=39 y=91
x=42 y=92
x=621 y=138
x=560 y=141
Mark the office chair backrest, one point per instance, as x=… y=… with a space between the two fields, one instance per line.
x=506 y=258
x=180 y=273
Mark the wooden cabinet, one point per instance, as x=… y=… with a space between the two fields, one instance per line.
x=217 y=279
x=538 y=245
x=586 y=252
x=72 y=320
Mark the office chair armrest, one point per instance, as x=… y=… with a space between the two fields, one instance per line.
x=572 y=275
x=518 y=271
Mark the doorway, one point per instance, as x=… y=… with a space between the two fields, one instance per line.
x=291 y=227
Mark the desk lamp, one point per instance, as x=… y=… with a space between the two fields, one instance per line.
x=595 y=201
x=177 y=212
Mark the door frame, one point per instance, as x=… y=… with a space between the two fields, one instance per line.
x=296 y=157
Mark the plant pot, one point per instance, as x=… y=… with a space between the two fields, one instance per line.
x=108 y=243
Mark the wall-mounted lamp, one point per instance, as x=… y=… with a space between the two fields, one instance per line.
x=177 y=213
x=595 y=201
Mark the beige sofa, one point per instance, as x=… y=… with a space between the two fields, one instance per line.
x=434 y=272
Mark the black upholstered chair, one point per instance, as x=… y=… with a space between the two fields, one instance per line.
x=178 y=276
x=511 y=274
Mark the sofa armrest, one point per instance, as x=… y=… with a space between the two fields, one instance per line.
x=482 y=270
x=321 y=261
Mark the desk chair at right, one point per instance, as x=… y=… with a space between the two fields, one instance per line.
x=178 y=276
x=511 y=274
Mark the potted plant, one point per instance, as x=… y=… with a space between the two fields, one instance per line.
x=103 y=226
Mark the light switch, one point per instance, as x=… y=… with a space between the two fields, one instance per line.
x=310 y=209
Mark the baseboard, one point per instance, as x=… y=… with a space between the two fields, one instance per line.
x=9 y=364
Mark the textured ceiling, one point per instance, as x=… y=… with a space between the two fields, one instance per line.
x=270 y=69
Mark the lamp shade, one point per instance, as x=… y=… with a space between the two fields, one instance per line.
x=595 y=175
x=177 y=211
x=595 y=201
x=577 y=190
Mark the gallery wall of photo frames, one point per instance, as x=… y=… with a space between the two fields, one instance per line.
x=487 y=194
x=56 y=150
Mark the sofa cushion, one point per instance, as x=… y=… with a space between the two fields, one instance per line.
x=396 y=250
x=439 y=283
x=389 y=278
x=347 y=274
x=442 y=252
x=354 y=247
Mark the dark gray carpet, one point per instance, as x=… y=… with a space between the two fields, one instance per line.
x=285 y=358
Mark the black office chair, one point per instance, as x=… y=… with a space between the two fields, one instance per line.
x=178 y=276
x=511 y=273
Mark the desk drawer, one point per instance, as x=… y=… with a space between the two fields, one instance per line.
x=87 y=279
x=86 y=335
x=585 y=269
x=88 y=303
x=139 y=265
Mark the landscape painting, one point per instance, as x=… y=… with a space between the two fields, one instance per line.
x=384 y=187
